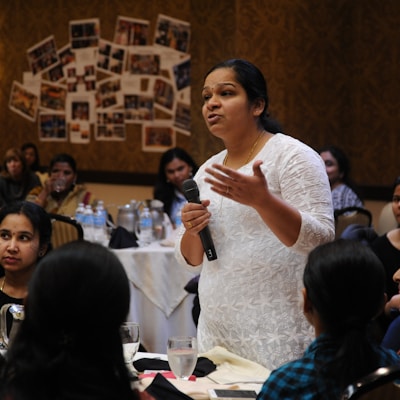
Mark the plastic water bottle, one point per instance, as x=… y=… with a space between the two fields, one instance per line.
x=178 y=218
x=145 y=227
x=79 y=213
x=88 y=222
x=100 y=224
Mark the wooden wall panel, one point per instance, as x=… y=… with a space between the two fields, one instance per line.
x=331 y=66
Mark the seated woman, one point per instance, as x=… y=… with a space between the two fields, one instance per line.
x=69 y=345
x=176 y=165
x=32 y=159
x=25 y=233
x=16 y=179
x=61 y=194
x=337 y=166
x=344 y=290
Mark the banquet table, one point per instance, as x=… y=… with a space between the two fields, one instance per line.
x=159 y=302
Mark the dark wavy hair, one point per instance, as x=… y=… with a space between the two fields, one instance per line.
x=345 y=282
x=36 y=164
x=253 y=82
x=164 y=190
x=69 y=345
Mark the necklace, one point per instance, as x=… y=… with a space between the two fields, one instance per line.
x=2 y=284
x=251 y=150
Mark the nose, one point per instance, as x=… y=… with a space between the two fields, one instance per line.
x=396 y=276
x=212 y=103
x=12 y=245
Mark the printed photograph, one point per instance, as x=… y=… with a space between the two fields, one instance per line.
x=23 y=101
x=43 y=56
x=52 y=127
x=172 y=33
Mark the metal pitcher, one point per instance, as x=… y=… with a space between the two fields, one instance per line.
x=17 y=312
x=128 y=215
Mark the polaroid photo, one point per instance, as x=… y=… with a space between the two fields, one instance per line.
x=84 y=33
x=138 y=107
x=80 y=107
x=182 y=118
x=111 y=57
x=131 y=31
x=24 y=101
x=164 y=94
x=109 y=93
x=53 y=96
x=172 y=33
x=145 y=60
x=52 y=126
x=158 y=136
x=79 y=132
x=43 y=55
x=181 y=74
x=110 y=125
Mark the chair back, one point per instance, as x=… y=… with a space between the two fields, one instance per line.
x=64 y=229
x=386 y=220
x=351 y=215
x=382 y=384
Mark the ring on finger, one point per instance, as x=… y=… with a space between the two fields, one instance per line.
x=190 y=225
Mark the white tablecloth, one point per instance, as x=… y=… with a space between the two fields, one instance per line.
x=159 y=302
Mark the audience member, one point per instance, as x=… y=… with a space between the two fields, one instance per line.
x=32 y=159
x=337 y=166
x=176 y=165
x=387 y=248
x=61 y=194
x=16 y=179
x=391 y=339
x=344 y=289
x=25 y=233
x=267 y=202
x=69 y=345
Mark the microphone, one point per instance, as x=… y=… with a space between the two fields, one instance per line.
x=191 y=192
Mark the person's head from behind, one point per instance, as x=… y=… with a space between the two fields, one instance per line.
x=344 y=290
x=176 y=165
x=228 y=79
x=25 y=236
x=14 y=165
x=337 y=165
x=78 y=298
x=63 y=166
x=31 y=154
x=396 y=200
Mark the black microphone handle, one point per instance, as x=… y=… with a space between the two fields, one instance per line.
x=191 y=192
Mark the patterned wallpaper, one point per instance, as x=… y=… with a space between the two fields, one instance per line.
x=332 y=67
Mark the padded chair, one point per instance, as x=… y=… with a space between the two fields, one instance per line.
x=351 y=215
x=65 y=229
x=387 y=220
x=382 y=384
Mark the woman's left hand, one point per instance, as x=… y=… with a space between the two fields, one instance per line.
x=249 y=190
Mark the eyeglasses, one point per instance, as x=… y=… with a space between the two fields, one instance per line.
x=396 y=199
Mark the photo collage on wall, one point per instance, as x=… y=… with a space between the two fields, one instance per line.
x=92 y=82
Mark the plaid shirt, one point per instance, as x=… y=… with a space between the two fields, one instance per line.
x=298 y=379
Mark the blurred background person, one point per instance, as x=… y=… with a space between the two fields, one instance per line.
x=16 y=179
x=32 y=159
x=61 y=194
x=176 y=165
x=69 y=344
x=344 y=192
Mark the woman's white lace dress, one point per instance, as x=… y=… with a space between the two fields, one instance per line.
x=251 y=295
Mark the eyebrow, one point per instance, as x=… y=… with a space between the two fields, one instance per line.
x=221 y=84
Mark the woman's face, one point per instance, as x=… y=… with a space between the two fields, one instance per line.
x=177 y=171
x=14 y=167
x=332 y=168
x=19 y=243
x=30 y=156
x=396 y=203
x=226 y=108
x=62 y=170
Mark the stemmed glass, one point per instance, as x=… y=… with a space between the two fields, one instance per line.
x=182 y=356
x=130 y=340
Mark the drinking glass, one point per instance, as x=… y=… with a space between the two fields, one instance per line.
x=182 y=356
x=59 y=185
x=130 y=340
